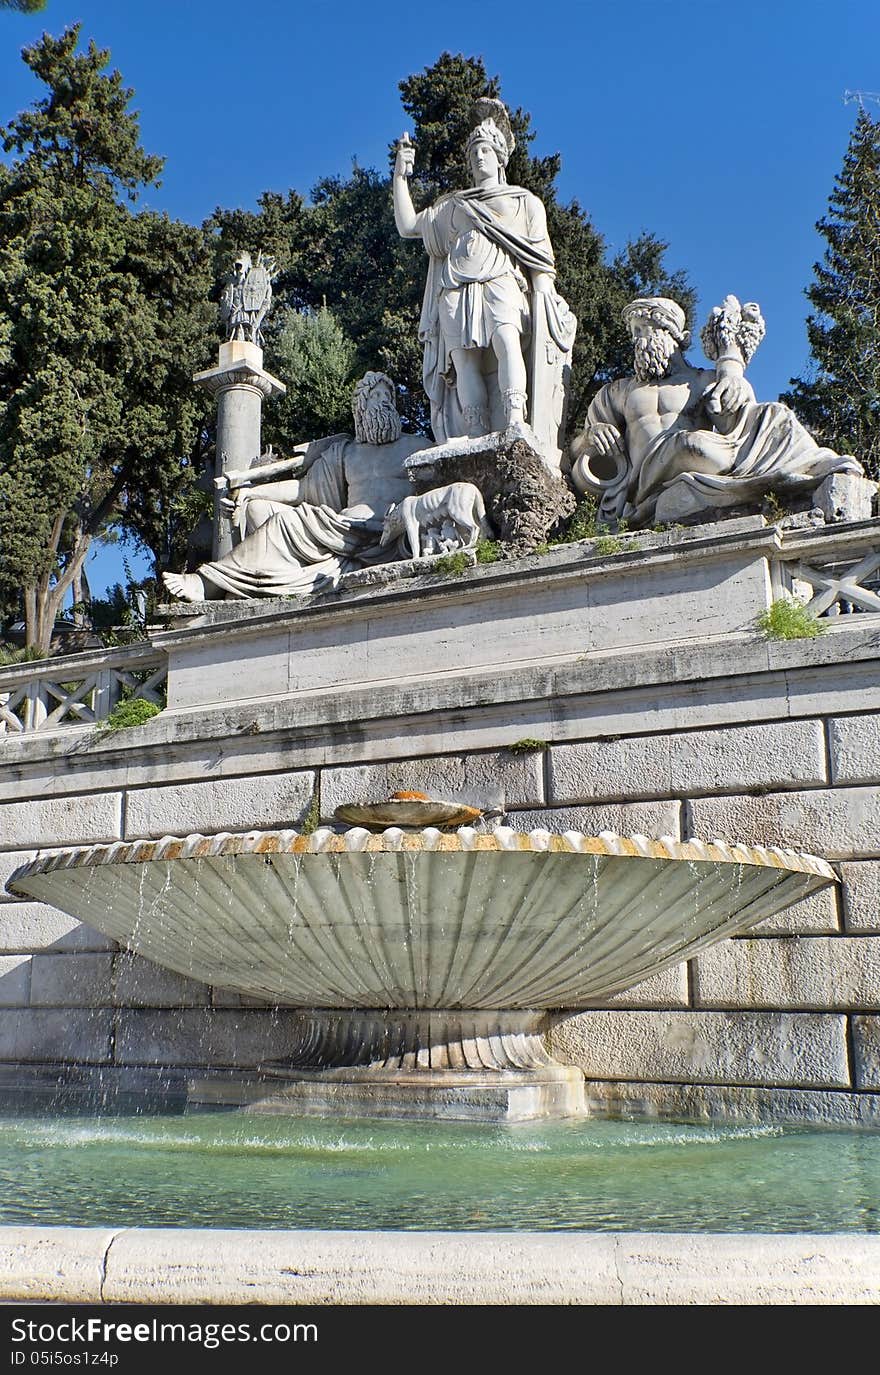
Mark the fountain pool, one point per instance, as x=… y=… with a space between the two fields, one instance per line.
x=282 y=1172
x=426 y=966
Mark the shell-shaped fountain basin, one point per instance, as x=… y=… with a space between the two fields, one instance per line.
x=424 y=919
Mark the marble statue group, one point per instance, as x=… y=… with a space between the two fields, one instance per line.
x=672 y=443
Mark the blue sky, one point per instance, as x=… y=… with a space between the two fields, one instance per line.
x=718 y=126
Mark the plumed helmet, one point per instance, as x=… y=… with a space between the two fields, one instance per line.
x=490 y=122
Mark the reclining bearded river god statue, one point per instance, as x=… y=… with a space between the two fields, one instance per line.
x=303 y=532
x=675 y=440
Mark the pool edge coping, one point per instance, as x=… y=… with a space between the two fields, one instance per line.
x=205 y=1266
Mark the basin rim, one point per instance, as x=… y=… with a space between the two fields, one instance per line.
x=428 y=840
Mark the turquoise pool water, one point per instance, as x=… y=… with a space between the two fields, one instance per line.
x=229 y=1170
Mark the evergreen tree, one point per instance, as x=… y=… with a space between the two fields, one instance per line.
x=316 y=360
x=841 y=401
x=26 y=6
x=103 y=317
x=355 y=262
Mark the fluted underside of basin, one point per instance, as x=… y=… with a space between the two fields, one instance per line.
x=421 y=920
x=400 y=1041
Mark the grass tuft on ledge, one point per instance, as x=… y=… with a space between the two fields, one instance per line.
x=528 y=745
x=128 y=713
x=453 y=564
x=788 y=620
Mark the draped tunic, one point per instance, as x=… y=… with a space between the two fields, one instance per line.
x=482 y=244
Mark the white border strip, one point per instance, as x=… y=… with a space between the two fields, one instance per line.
x=181 y=1266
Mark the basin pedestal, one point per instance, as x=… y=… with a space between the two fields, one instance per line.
x=472 y=1066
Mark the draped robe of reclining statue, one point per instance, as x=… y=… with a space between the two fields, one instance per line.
x=302 y=534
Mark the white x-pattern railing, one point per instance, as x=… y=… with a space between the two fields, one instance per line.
x=831 y=574
x=78 y=689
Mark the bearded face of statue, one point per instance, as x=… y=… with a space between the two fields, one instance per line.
x=376 y=419
x=653 y=347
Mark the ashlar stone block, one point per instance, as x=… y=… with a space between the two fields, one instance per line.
x=222 y=804
x=723 y=1102
x=652 y=819
x=198 y=1037
x=861 y=895
x=836 y=823
x=9 y=862
x=27 y=926
x=855 y=748
x=866 y=1043
x=56 y=1035
x=140 y=983
x=737 y=759
x=498 y=779
x=812 y=972
x=669 y=988
x=795 y=1049
x=817 y=915
x=71 y=980
x=76 y=820
x=15 y=980
x=54 y=1264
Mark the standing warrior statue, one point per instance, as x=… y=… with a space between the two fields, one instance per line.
x=246 y=299
x=497 y=335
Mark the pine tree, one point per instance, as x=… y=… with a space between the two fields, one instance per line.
x=103 y=316
x=317 y=362
x=841 y=402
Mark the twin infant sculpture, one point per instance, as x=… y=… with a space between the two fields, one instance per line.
x=663 y=445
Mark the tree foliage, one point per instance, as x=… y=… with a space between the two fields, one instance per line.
x=840 y=402
x=25 y=6
x=101 y=323
x=317 y=361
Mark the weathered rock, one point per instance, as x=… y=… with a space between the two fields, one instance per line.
x=845 y=496
x=525 y=501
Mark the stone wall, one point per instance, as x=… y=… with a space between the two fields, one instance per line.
x=737 y=738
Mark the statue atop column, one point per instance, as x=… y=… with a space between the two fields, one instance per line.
x=676 y=440
x=246 y=298
x=497 y=335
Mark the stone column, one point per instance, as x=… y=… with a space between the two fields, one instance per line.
x=240 y=382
